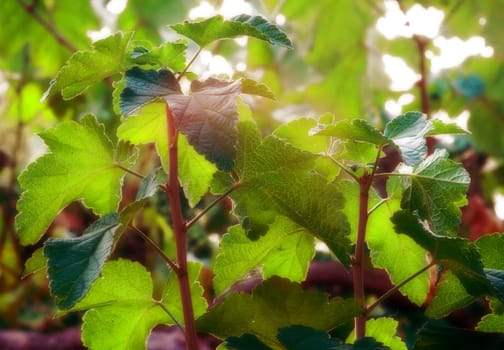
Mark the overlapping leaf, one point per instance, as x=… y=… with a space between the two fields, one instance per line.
x=436 y=190
x=457 y=254
x=217 y=28
x=148 y=125
x=450 y=295
x=80 y=165
x=75 y=263
x=252 y=87
x=285 y=251
x=122 y=309
x=168 y=55
x=355 y=130
x=275 y=178
x=408 y=132
x=208 y=118
x=384 y=330
x=85 y=68
x=275 y=304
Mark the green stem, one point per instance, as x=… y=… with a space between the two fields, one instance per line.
x=211 y=205
x=397 y=287
x=377 y=205
x=180 y=232
x=171 y=315
x=189 y=64
x=343 y=167
x=154 y=245
x=129 y=171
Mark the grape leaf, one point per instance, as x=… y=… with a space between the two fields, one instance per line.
x=458 y=254
x=142 y=86
x=122 y=309
x=75 y=263
x=407 y=132
x=245 y=342
x=274 y=179
x=208 y=118
x=80 y=165
x=148 y=125
x=304 y=338
x=440 y=128
x=217 y=28
x=274 y=304
x=85 y=68
x=436 y=190
x=355 y=130
x=285 y=251
x=36 y=262
x=384 y=330
x=438 y=337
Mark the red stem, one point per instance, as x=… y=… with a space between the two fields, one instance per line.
x=180 y=232
x=358 y=263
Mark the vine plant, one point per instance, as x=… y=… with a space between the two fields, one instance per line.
x=312 y=179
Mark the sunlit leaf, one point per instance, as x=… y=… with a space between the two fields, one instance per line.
x=252 y=87
x=80 y=165
x=85 y=68
x=384 y=330
x=217 y=28
x=450 y=296
x=285 y=251
x=169 y=55
x=355 y=130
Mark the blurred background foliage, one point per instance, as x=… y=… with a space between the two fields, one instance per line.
x=367 y=59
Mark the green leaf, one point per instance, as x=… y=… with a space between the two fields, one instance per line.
x=252 y=87
x=276 y=303
x=408 y=131
x=148 y=125
x=285 y=251
x=436 y=337
x=208 y=118
x=143 y=86
x=122 y=309
x=491 y=248
x=440 y=128
x=275 y=178
x=75 y=263
x=450 y=296
x=85 y=68
x=384 y=330
x=36 y=262
x=354 y=130
x=217 y=28
x=80 y=165
x=169 y=55
x=436 y=190
x=458 y=254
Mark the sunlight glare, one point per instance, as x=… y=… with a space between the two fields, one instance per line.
x=280 y=19
x=454 y=51
x=498 y=199
x=96 y=35
x=401 y=75
x=241 y=67
x=231 y=8
x=203 y=10
x=116 y=7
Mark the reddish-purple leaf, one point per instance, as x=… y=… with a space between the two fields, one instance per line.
x=208 y=118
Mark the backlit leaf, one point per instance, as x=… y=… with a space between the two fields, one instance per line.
x=217 y=28
x=80 y=165
x=252 y=87
x=440 y=128
x=122 y=311
x=169 y=55
x=384 y=330
x=355 y=130
x=436 y=190
x=85 y=68
x=75 y=263
x=285 y=251
x=450 y=296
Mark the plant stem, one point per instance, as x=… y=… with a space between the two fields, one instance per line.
x=343 y=167
x=358 y=263
x=153 y=244
x=129 y=171
x=180 y=232
x=30 y=9
x=211 y=205
x=189 y=64
x=397 y=287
